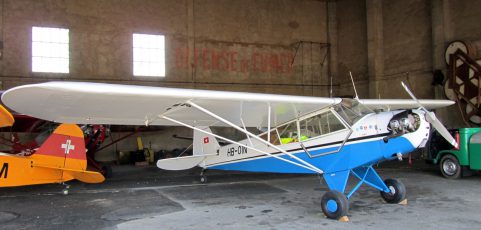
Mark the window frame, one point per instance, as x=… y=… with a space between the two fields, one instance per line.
x=163 y=70
x=298 y=121
x=42 y=44
x=329 y=110
x=264 y=136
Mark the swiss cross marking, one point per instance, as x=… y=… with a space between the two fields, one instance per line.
x=68 y=146
x=206 y=140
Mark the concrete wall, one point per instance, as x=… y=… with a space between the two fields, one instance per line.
x=216 y=44
x=462 y=19
x=352 y=50
x=395 y=37
x=407 y=48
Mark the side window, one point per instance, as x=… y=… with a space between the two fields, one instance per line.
x=288 y=133
x=148 y=55
x=274 y=137
x=320 y=124
x=50 y=50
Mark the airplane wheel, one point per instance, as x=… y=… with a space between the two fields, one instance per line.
x=334 y=204
x=203 y=179
x=107 y=171
x=65 y=191
x=450 y=167
x=397 y=193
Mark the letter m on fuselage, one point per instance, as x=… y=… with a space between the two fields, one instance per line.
x=4 y=171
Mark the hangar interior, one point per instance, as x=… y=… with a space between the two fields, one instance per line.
x=293 y=47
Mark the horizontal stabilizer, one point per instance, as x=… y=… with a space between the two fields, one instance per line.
x=180 y=163
x=87 y=176
x=81 y=175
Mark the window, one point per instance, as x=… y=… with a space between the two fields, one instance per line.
x=351 y=110
x=288 y=133
x=320 y=124
x=274 y=138
x=50 y=50
x=149 y=55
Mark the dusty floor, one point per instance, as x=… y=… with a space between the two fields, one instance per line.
x=148 y=198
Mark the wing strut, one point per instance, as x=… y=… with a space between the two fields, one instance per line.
x=240 y=144
x=306 y=164
x=244 y=126
x=269 y=123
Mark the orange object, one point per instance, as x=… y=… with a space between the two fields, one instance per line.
x=6 y=118
x=457 y=140
x=61 y=158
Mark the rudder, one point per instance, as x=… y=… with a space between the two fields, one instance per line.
x=204 y=143
x=67 y=143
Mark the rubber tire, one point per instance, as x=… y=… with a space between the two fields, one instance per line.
x=203 y=179
x=341 y=201
x=452 y=159
x=399 y=191
x=107 y=171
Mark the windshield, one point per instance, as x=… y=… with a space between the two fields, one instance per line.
x=351 y=110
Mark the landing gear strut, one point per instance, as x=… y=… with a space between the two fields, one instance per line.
x=203 y=177
x=335 y=203
x=65 y=190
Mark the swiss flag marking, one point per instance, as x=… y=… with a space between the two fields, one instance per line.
x=206 y=140
x=68 y=146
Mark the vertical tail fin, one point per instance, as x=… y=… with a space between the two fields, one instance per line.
x=66 y=147
x=204 y=143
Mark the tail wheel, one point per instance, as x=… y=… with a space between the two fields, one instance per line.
x=334 y=204
x=106 y=171
x=397 y=191
x=203 y=179
x=450 y=167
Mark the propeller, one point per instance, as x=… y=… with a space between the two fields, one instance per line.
x=432 y=119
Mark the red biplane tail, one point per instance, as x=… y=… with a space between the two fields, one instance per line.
x=65 y=150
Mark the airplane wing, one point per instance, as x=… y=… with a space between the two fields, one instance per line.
x=98 y=103
x=394 y=104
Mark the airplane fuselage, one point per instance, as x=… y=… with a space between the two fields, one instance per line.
x=371 y=141
x=19 y=170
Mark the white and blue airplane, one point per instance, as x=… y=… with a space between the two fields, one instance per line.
x=333 y=137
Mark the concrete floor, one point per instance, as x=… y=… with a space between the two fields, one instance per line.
x=148 y=198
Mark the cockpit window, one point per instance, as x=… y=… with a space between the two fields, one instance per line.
x=288 y=133
x=320 y=124
x=351 y=110
x=274 y=138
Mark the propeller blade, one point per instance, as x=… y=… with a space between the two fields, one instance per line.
x=432 y=119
